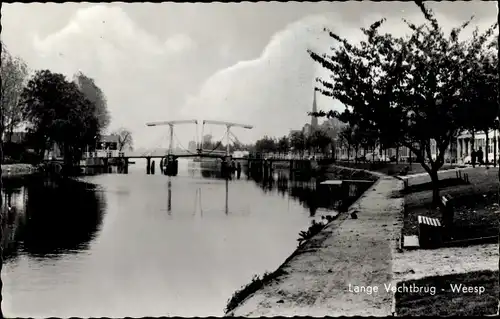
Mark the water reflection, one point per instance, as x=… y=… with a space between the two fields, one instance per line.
x=198 y=206
x=49 y=217
x=183 y=255
x=307 y=190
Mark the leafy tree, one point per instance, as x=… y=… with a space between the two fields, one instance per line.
x=412 y=85
x=284 y=144
x=95 y=95
x=125 y=140
x=320 y=140
x=265 y=144
x=57 y=112
x=482 y=88
x=348 y=139
x=298 y=142
x=13 y=72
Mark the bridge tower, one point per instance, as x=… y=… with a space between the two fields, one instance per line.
x=226 y=164
x=170 y=163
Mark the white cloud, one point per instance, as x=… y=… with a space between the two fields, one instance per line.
x=273 y=92
x=129 y=64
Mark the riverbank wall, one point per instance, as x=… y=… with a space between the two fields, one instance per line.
x=17 y=170
x=321 y=277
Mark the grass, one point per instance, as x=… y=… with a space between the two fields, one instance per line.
x=443 y=183
x=476 y=210
x=314 y=229
x=445 y=302
x=392 y=168
x=258 y=282
x=253 y=286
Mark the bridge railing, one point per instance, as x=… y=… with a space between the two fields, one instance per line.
x=103 y=154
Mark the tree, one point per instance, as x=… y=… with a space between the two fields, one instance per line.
x=284 y=144
x=412 y=85
x=482 y=90
x=320 y=140
x=298 y=142
x=125 y=139
x=265 y=144
x=14 y=72
x=95 y=95
x=57 y=112
x=347 y=138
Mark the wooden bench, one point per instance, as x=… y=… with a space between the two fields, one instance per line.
x=429 y=232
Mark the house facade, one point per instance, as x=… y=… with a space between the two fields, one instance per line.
x=106 y=146
x=465 y=144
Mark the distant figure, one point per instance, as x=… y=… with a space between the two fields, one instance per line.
x=238 y=170
x=473 y=155
x=480 y=156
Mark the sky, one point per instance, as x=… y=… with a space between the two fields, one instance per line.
x=244 y=62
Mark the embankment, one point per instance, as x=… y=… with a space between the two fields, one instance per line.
x=348 y=252
x=17 y=170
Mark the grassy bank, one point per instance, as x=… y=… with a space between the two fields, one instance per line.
x=392 y=169
x=309 y=241
x=476 y=203
x=445 y=302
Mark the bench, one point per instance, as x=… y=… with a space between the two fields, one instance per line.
x=429 y=232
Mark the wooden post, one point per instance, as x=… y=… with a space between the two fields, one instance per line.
x=148 y=165
x=125 y=169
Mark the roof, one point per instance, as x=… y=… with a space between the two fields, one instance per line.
x=110 y=138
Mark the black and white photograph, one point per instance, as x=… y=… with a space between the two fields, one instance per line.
x=249 y=159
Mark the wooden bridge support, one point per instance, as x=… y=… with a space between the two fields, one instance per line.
x=171 y=166
x=125 y=168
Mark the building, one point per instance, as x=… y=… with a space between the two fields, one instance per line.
x=107 y=145
x=464 y=144
x=192 y=146
x=207 y=138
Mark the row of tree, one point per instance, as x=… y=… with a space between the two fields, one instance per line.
x=53 y=110
x=317 y=142
x=408 y=91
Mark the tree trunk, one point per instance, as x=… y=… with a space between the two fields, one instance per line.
x=1 y=228
x=435 y=185
x=473 y=140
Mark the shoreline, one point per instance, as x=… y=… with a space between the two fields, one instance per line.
x=308 y=281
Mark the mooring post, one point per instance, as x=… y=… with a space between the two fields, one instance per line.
x=152 y=167
x=148 y=165
x=125 y=168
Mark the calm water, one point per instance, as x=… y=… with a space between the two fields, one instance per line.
x=144 y=245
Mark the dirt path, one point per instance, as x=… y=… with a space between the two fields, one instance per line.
x=349 y=251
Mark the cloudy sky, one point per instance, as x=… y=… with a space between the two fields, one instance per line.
x=244 y=63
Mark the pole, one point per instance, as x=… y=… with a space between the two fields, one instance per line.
x=227 y=140
x=171 y=139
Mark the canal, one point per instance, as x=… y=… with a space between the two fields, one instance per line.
x=145 y=245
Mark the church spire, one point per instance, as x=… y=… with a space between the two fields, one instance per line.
x=314 y=119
